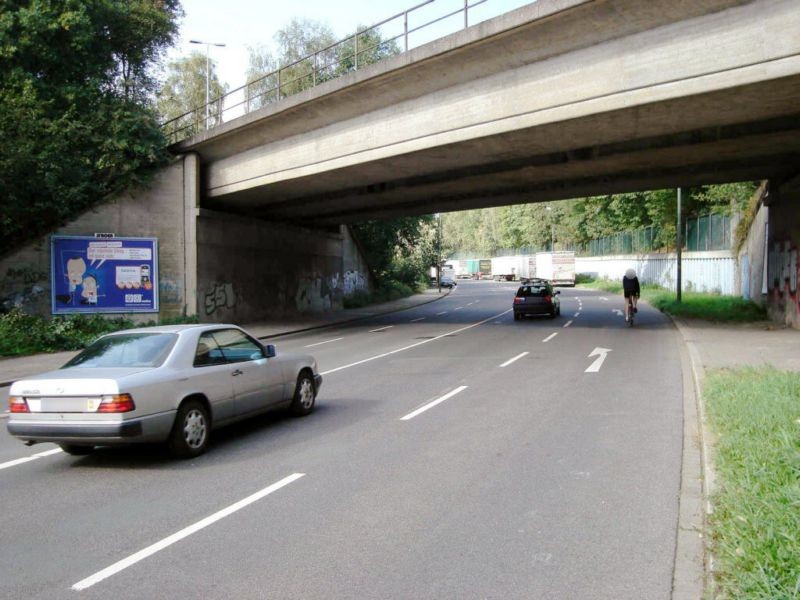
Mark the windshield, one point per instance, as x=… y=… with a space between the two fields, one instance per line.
x=126 y=350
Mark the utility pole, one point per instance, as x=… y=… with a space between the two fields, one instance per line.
x=208 y=69
x=439 y=251
x=679 y=245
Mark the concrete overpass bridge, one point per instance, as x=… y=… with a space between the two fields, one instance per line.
x=558 y=99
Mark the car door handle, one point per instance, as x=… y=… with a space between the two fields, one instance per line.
x=237 y=372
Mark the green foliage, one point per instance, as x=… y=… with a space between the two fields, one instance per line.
x=308 y=54
x=399 y=249
x=698 y=305
x=712 y=307
x=755 y=526
x=22 y=334
x=391 y=290
x=74 y=124
x=185 y=89
x=573 y=223
x=749 y=210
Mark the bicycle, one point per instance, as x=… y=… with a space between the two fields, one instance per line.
x=631 y=311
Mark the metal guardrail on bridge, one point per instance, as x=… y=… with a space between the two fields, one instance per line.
x=366 y=46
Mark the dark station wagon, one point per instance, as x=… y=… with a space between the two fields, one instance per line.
x=536 y=297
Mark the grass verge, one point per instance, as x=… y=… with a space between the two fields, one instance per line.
x=699 y=305
x=755 y=527
x=394 y=290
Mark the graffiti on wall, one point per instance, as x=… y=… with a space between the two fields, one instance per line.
x=354 y=282
x=20 y=287
x=220 y=296
x=318 y=293
x=783 y=270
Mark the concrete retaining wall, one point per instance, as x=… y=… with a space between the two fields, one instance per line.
x=783 y=302
x=158 y=211
x=702 y=271
x=254 y=270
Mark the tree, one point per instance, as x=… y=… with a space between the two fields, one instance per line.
x=262 y=78
x=185 y=90
x=76 y=125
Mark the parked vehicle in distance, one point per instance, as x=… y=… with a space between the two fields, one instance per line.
x=172 y=384
x=448 y=282
x=557 y=267
x=536 y=297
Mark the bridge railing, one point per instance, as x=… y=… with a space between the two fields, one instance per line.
x=364 y=47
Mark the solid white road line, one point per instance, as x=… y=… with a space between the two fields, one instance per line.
x=381 y=329
x=422 y=409
x=325 y=342
x=511 y=360
x=550 y=337
x=19 y=461
x=433 y=339
x=415 y=320
x=568 y=323
x=176 y=537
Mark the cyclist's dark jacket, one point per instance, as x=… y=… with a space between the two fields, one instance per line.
x=630 y=286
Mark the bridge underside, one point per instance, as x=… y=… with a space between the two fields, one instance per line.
x=671 y=146
x=558 y=100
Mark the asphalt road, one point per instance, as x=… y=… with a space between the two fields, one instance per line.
x=532 y=480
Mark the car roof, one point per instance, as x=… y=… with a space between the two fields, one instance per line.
x=175 y=328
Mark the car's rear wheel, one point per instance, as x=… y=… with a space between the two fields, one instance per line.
x=75 y=450
x=517 y=316
x=190 y=433
x=304 y=395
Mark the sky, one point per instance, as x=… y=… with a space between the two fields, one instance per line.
x=240 y=24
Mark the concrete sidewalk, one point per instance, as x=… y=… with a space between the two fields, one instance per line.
x=12 y=369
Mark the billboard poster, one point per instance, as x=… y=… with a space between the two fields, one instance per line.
x=103 y=275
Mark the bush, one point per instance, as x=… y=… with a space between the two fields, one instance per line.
x=713 y=307
x=391 y=290
x=22 y=334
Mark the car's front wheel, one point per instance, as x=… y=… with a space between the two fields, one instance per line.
x=75 y=450
x=190 y=433
x=304 y=395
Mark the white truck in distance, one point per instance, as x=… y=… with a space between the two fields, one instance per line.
x=557 y=267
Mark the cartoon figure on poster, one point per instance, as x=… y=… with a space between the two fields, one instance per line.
x=116 y=275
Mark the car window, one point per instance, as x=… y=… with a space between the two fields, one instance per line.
x=208 y=351
x=236 y=346
x=527 y=291
x=126 y=350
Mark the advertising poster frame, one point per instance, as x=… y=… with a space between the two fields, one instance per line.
x=90 y=274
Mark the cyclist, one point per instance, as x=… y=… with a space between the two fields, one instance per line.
x=630 y=288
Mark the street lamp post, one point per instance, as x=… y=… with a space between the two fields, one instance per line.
x=439 y=251
x=552 y=228
x=208 y=68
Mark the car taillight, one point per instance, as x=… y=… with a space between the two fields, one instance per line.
x=116 y=404
x=519 y=300
x=548 y=298
x=17 y=404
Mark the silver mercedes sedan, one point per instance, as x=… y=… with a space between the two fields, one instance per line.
x=170 y=384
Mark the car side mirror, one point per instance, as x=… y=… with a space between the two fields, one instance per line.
x=558 y=292
x=269 y=351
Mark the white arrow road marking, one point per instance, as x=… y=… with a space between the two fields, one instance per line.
x=617 y=311
x=601 y=354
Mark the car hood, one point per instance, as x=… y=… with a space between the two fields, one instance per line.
x=67 y=382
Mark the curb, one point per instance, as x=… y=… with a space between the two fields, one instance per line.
x=4 y=384
x=353 y=320
x=699 y=436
